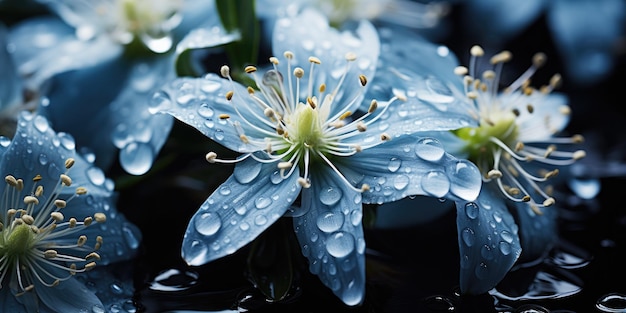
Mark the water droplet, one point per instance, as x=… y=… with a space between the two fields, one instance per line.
x=246 y=174
x=400 y=182
x=275 y=178
x=43 y=159
x=439 y=304
x=435 y=183
x=471 y=210
x=394 y=164
x=4 y=141
x=97 y=309
x=330 y=222
x=262 y=202
x=355 y=217
x=208 y=223
x=486 y=252
x=468 y=236
x=158 y=44
x=260 y=220
x=40 y=123
x=137 y=157
x=159 y=101
x=466 y=180
x=244 y=226
x=95 y=176
x=210 y=86
x=340 y=244
x=612 y=302
x=174 y=280
x=330 y=195
x=505 y=247
x=429 y=149
x=205 y=111
x=219 y=134
x=67 y=141
x=129 y=236
x=241 y=210
x=506 y=236
x=224 y=190
x=435 y=91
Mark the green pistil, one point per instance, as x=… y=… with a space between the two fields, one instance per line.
x=19 y=241
x=478 y=143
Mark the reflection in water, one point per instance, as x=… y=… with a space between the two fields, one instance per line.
x=174 y=280
x=613 y=302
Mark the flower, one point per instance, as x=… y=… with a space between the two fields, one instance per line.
x=130 y=48
x=587 y=32
x=53 y=211
x=299 y=138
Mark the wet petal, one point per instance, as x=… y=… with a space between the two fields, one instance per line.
x=200 y=102
x=69 y=296
x=411 y=165
x=10 y=83
x=538 y=232
x=309 y=34
x=550 y=115
x=331 y=236
x=489 y=243
x=251 y=200
x=208 y=32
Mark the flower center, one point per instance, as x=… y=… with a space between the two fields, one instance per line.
x=35 y=238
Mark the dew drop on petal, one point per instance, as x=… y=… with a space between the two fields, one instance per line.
x=275 y=178
x=468 y=236
x=505 y=248
x=224 y=190
x=43 y=159
x=471 y=210
x=67 y=141
x=241 y=210
x=209 y=86
x=41 y=124
x=330 y=222
x=401 y=181
x=95 y=175
x=137 y=157
x=158 y=44
x=436 y=91
x=205 y=111
x=429 y=149
x=196 y=253
x=131 y=240
x=159 y=101
x=355 y=217
x=208 y=223
x=486 y=252
x=246 y=174
x=260 y=220
x=262 y=202
x=465 y=180
x=394 y=164
x=4 y=141
x=340 y=244
x=330 y=195
x=435 y=183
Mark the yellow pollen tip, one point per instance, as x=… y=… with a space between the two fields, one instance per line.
x=373 y=106
x=350 y=56
x=92 y=255
x=87 y=221
x=494 y=174
x=224 y=116
x=555 y=81
x=288 y=55
x=100 y=217
x=37 y=178
x=345 y=115
x=548 y=202
x=31 y=200
x=461 y=70
x=244 y=138
x=385 y=137
x=250 y=69
x=229 y=95
x=81 y=190
x=360 y=126
x=365 y=188
x=322 y=87
x=39 y=191
x=516 y=112
x=50 y=254
x=551 y=174
x=472 y=95
x=579 y=154
x=9 y=179
x=274 y=60
x=225 y=71
x=28 y=220
x=66 y=180
x=69 y=163
x=504 y=56
x=477 y=51
x=60 y=203
x=210 y=157
x=315 y=60
x=303 y=182
x=311 y=102
x=298 y=72
x=90 y=266
x=489 y=74
x=530 y=108
x=250 y=90
x=363 y=80
x=539 y=59
x=578 y=139
x=81 y=240
x=57 y=216
x=268 y=112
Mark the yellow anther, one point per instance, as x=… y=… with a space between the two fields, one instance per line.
x=365 y=188
x=579 y=154
x=39 y=191
x=322 y=88
x=548 y=202
x=555 y=81
x=98 y=243
x=60 y=203
x=551 y=174
x=504 y=56
x=31 y=200
x=385 y=137
x=298 y=72
x=90 y=266
x=284 y=165
x=225 y=71
x=489 y=74
x=224 y=116
x=229 y=95
x=57 y=216
x=244 y=138
x=516 y=112
x=461 y=70
x=9 y=179
x=37 y=178
x=539 y=59
x=69 y=163
x=288 y=55
x=66 y=180
x=274 y=60
x=303 y=182
x=81 y=190
x=315 y=60
x=494 y=174
x=28 y=220
x=50 y=254
x=363 y=80
x=530 y=108
x=526 y=198
x=345 y=115
x=312 y=102
x=100 y=217
x=88 y=220
x=250 y=69
x=360 y=126
x=578 y=139
x=373 y=106
x=250 y=90
x=477 y=51
x=210 y=157
x=93 y=256
x=519 y=146
x=81 y=240
x=472 y=95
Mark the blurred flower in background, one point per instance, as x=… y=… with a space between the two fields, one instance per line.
x=102 y=60
x=58 y=219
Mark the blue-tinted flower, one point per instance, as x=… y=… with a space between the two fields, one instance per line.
x=11 y=99
x=587 y=33
x=300 y=136
x=57 y=220
x=103 y=61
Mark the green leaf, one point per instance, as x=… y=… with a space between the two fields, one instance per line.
x=270 y=263
x=239 y=15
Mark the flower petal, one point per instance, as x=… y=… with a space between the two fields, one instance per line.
x=10 y=83
x=538 y=232
x=251 y=200
x=309 y=34
x=550 y=115
x=489 y=243
x=201 y=103
x=8 y=302
x=331 y=236
x=411 y=165
x=69 y=296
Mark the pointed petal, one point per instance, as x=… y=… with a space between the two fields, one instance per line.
x=489 y=243
x=331 y=236
x=200 y=102
x=316 y=38
x=411 y=165
x=538 y=232
x=551 y=114
x=69 y=296
x=251 y=200
x=10 y=83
